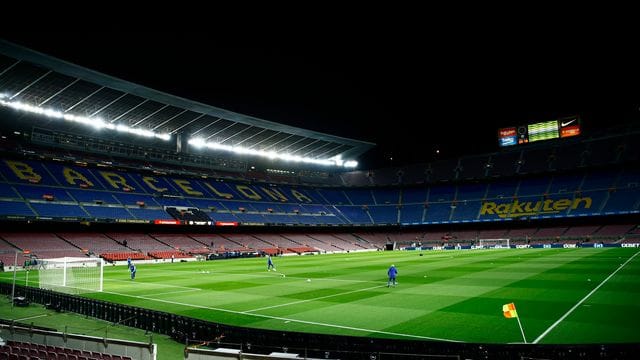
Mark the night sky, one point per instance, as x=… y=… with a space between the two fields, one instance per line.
x=379 y=90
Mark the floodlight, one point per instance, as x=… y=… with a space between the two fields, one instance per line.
x=335 y=161
x=97 y=123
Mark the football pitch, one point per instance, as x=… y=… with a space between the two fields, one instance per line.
x=562 y=296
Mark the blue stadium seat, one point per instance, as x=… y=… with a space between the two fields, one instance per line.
x=622 y=201
x=441 y=193
x=414 y=195
x=28 y=169
x=336 y=197
x=565 y=183
x=386 y=196
x=359 y=197
x=471 y=192
x=7 y=191
x=59 y=210
x=57 y=170
x=90 y=196
x=502 y=189
x=437 y=212
x=108 y=212
x=411 y=214
x=148 y=214
x=599 y=181
x=387 y=214
x=19 y=208
x=37 y=192
x=355 y=214
x=466 y=211
x=533 y=186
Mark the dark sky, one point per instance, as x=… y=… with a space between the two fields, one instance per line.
x=410 y=94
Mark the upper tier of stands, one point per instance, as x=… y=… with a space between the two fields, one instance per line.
x=531 y=159
x=53 y=190
x=618 y=146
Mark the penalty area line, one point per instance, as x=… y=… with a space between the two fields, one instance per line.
x=282 y=318
x=581 y=301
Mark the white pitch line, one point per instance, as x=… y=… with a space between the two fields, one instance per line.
x=268 y=275
x=32 y=317
x=581 y=301
x=173 y=292
x=314 y=299
x=154 y=284
x=282 y=318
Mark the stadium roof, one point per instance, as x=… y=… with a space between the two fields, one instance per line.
x=38 y=80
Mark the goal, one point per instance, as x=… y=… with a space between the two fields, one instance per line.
x=71 y=275
x=493 y=243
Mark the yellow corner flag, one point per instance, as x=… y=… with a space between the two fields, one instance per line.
x=509 y=311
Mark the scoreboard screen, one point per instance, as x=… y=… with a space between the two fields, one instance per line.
x=545 y=130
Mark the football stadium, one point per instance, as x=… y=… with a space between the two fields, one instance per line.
x=137 y=224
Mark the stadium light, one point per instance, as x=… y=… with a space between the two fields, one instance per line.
x=97 y=123
x=334 y=161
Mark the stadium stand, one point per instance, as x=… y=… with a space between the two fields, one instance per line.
x=7 y=252
x=183 y=243
x=542 y=196
x=93 y=242
x=42 y=245
x=23 y=350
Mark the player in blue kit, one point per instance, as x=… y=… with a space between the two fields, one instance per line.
x=392 y=272
x=132 y=268
x=270 y=264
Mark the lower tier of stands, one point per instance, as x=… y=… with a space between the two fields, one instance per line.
x=145 y=246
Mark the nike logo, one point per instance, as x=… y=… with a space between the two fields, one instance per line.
x=563 y=124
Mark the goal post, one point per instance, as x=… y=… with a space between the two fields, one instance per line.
x=8 y=257
x=493 y=243
x=72 y=275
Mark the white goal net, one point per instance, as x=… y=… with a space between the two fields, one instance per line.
x=493 y=243
x=71 y=275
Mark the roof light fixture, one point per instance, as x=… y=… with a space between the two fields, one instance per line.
x=94 y=122
x=334 y=161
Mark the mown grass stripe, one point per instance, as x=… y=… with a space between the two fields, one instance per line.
x=582 y=300
x=284 y=319
x=148 y=284
x=173 y=292
x=314 y=299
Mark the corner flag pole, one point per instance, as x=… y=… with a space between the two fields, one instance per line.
x=509 y=311
x=521 y=330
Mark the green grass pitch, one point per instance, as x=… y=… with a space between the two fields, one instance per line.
x=565 y=296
